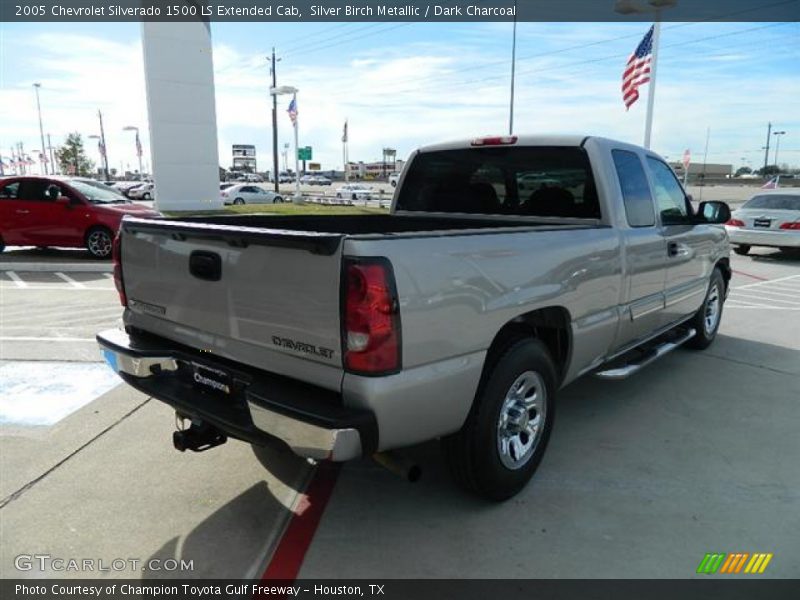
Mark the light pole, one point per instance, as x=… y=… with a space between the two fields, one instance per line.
x=138 y=146
x=778 y=146
x=36 y=87
x=282 y=91
x=628 y=7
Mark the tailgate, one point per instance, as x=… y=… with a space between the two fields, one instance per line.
x=268 y=298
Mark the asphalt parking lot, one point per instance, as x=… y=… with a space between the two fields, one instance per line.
x=696 y=454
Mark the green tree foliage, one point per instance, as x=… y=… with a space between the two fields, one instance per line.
x=72 y=158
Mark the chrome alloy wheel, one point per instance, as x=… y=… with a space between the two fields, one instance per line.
x=521 y=421
x=99 y=243
x=712 y=310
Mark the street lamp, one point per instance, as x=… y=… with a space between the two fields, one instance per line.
x=138 y=146
x=36 y=87
x=282 y=91
x=778 y=146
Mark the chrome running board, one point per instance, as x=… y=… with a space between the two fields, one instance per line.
x=628 y=369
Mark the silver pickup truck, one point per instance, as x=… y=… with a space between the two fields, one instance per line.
x=508 y=267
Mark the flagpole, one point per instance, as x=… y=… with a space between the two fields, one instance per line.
x=296 y=153
x=651 y=93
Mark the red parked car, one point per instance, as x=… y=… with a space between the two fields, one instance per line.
x=69 y=211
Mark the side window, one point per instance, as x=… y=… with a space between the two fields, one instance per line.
x=635 y=189
x=10 y=191
x=670 y=198
x=33 y=190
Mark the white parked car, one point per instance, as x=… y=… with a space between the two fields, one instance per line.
x=770 y=218
x=354 y=191
x=146 y=191
x=245 y=193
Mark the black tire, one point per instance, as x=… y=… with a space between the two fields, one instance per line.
x=146 y=196
x=474 y=453
x=99 y=241
x=741 y=249
x=238 y=201
x=338 y=195
x=2 y=244
x=277 y=200
x=355 y=197
x=393 y=183
x=707 y=333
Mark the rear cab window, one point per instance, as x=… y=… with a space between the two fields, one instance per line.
x=10 y=191
x=635 y=189
x=524 y=181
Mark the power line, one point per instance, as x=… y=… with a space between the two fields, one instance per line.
x=347 y=40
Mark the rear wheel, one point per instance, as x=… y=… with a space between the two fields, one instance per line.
x=707 y=319
x=99 y=242
x=146 y=196
x=238 y=201
x=277 y=200
x=742 y=249
x=505 y=436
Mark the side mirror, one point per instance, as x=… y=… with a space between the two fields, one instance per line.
x=713 y=212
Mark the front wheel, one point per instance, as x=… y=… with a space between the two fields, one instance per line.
x=707 y=319
x=146 y=196
x=505 y=436
x=741 y=249
x=99 y=242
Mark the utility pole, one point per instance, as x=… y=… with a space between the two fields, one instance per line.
x=766 y=154
x=36 y=87
x=103 y=142
x=513 y=72
x=274 y=124
x=52 y=158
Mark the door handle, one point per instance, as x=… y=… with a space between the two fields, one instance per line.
x=677 y=249
x=23 y=212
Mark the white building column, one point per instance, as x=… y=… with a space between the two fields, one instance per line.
x=179 y=77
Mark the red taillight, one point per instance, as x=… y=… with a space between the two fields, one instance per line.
x=795 y=225
x=224 y=194
x=371 y=318
x=500 y=140
x=117 y=260
x=735 y=223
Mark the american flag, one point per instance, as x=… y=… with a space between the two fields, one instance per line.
x=138 y=146
x=637 y=71
x=292 y=110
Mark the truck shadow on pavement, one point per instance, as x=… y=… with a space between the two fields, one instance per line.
x=641 y=463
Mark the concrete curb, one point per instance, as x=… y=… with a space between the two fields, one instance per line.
x=43 y=267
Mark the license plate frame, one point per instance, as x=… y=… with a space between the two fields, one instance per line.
x=211 y=379
x=762 y=223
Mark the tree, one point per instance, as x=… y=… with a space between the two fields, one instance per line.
x=71 y=157
x=743 y=171
x=769 y=170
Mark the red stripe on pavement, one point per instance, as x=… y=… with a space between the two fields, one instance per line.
x=291 y=550
x=751 y=276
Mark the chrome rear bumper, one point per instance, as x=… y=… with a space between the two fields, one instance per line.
x=309 y=420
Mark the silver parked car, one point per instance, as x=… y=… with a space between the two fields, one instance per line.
x=249 y=194
x=769 y=219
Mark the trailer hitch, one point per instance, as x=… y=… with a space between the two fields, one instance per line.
x=199 y=437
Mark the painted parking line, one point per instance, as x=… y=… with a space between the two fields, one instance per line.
x=288 y=557
x=19 y=283
x=70 y=280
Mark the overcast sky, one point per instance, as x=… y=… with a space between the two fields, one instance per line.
x=403 y=85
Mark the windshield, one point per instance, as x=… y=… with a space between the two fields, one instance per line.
x=95 y=192
x=775 y=202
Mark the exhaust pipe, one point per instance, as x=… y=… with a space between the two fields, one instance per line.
x=199 y=437
x=399 y=465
